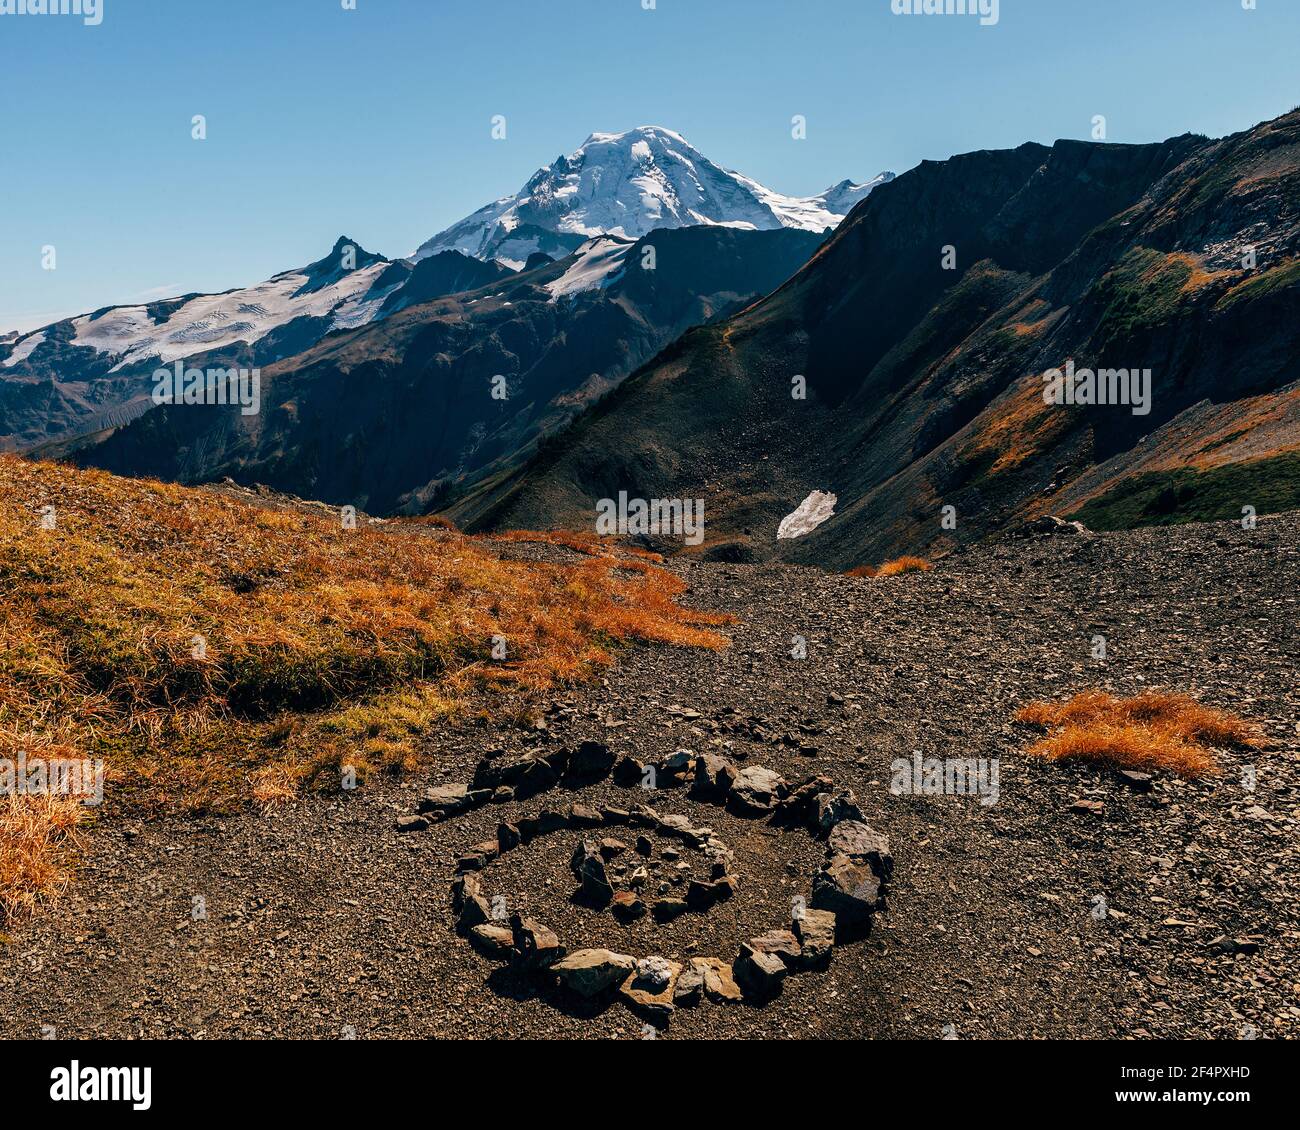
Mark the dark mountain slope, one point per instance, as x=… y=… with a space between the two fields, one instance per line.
x=925 y=385
x=400 y=413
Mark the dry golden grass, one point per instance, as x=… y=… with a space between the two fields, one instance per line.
x=216 y=653
x=1149 y=732
x=38 y=835
x=904 y=564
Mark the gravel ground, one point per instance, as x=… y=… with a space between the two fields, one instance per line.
x=1035 y=916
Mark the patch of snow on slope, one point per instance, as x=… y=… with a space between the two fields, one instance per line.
x=24 y=348
x=808 y=515
x=598 y=262
x=213 y=321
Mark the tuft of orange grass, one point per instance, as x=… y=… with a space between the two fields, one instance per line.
x=38 y=836
x=892 y=568
x=1148 y=732
x=904 y=565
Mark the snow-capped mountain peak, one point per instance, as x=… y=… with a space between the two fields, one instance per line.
x=629 y=184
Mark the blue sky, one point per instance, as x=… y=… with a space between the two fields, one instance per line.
x=376 y=122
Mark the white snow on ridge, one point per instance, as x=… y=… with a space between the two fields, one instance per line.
x=599 y=263
x=24 y=348
x=213 y=321
x=629 y=184
x=808 y=515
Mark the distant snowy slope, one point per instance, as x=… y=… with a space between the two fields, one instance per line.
x=629 y=184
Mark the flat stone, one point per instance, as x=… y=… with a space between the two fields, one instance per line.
x=781 y=944
x=471 y=861
x=580 y=816
x=446 y=799
x=610 y=847
x=683 y=829
x=412 y=823
x=648 y=989
x=592 y=971
x=719 y=979
x=645 y=817
x=495 y=941
x=1138 y=782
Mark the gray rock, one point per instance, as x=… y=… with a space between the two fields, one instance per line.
x=756 y=790
x=830 y=810
x=862 y=843
x=689 y=989
x=589 y=867
x=850 y=890
x=446 y=799
x=591 y=761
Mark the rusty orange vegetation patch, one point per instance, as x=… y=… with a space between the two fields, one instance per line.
x=904 y=564
x=215 y=652
x=1017 y=428
x=1149 y=732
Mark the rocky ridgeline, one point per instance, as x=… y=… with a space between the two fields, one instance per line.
x=846 y=890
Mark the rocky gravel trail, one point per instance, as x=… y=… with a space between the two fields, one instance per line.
x=1077 y=905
